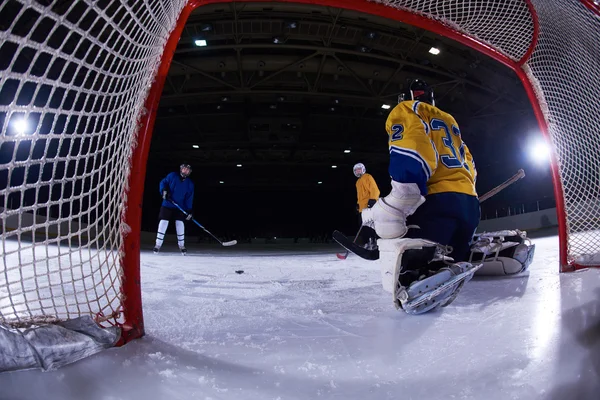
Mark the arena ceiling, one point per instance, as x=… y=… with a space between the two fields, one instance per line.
x=285 y=89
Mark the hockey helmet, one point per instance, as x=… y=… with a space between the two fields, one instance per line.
x=185 y=170
x=359 y=170
x=420 y=90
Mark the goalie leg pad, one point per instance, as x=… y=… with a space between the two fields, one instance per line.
x=391 y=254
x=502 y=252
x=404 y=261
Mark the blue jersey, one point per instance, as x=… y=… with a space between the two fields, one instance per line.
x=180 y=190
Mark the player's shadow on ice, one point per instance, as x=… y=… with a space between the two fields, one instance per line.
x=581 y=325
x=489 y=290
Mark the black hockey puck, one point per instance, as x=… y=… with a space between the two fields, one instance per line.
x=239 y=271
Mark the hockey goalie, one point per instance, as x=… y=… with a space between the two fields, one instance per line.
x=426 y=224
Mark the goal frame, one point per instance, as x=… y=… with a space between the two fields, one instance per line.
x=132 y=306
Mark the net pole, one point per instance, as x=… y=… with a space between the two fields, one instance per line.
x=133 y=326
x=561 y=213
x=592 y=5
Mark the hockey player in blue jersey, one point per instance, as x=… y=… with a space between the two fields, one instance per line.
x=179 y=188
x=433 y=188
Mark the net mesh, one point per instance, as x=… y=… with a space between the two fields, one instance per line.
x=74 y=76
x=484 y=20
x=566 y=66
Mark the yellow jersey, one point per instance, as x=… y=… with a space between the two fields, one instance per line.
x=426 y=148
x=366 y=189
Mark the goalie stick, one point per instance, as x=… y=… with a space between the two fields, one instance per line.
x=230 y=243
x=520 y=174
x=350 y=246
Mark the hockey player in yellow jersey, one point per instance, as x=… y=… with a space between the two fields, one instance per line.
x=367 y=191
x=433 y=188
x=367 y=194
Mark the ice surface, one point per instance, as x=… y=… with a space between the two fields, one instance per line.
x=305 y=325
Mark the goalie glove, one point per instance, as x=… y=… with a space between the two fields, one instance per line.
x=388 y=215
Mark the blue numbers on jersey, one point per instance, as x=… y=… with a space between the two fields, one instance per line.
x=397 y=131
x=457 y=159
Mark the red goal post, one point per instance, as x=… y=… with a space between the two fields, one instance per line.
x=71 y=239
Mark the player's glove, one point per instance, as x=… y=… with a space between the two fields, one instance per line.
x=388 y=215
x=165 y=194
x=189 y=216
x=371 y=203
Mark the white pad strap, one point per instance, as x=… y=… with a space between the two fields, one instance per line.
x=180 y=227
x=160 y=234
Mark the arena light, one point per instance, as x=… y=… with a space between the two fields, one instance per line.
x=318 y=183
x=200 y=42
x=221 y=182
x=386 y=106
x=20 y=126
x=434 y=50
x=334 y=166
x=195 y=146
x=347 y=151
x=540 y=151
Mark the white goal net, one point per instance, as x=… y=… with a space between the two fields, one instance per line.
x=74 y=78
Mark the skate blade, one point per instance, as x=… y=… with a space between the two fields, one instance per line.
x=411 y=307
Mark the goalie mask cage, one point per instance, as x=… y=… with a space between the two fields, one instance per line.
x=80 y=85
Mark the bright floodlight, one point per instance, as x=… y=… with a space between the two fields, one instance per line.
x=239 y=165
x=347 y=151
x=386 y=106
x=540 y=151
x=195 y=146
x=334 y=166
x=221 y=182
x=20 y=126
x=318 y=183
x=434 y=50
x=200 y=42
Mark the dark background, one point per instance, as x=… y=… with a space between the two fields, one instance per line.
x=284 y=89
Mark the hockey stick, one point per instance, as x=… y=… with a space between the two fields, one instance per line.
x=520 y=174
x=230 y=243
x=345 y=255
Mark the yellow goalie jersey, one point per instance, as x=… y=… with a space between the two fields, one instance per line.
x=426 y=148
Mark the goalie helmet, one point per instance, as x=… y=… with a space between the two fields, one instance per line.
x=420 y=90
x=185 y=170
x=359 y=170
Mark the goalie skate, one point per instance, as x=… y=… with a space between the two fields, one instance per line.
x=438 y=290
x=419 y=275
